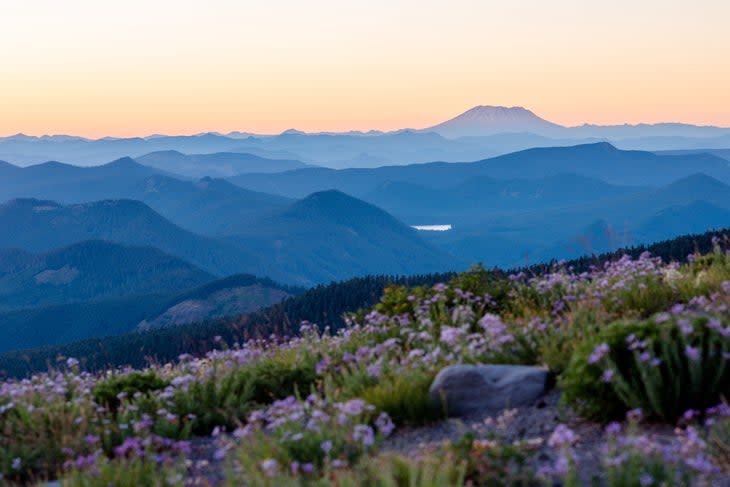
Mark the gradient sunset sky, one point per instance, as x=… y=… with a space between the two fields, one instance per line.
x=137 y=67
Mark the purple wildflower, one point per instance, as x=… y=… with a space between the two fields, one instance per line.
x=598 y=353
x=693 y=353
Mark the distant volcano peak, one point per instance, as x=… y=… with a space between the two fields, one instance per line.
x=490 y=120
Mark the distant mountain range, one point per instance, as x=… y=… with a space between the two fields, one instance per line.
x=208 y=206
x=600 y=160
x=157 y=242
x=480 y=132
x=37 y=225
x=530 y=202
x=323 y=237
x=218 y=165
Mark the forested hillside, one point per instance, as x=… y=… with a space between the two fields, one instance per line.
x=324 y=305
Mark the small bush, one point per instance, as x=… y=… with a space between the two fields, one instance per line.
x=109 y=392
x=125 y=473
x=226 y=399
x=405 y=398
x=665 y=366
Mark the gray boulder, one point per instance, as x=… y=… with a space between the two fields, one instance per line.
x=469 y=389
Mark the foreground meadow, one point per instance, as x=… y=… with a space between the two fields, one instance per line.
x=637 y=351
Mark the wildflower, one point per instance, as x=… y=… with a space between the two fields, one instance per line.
x=495 y=328
x=326 y=447
x=645 y=480
x=219 y=454
x=385 y=424
x=692 y=353
x=71 y=362
x=364 y=434
x=308 y=468
x=17 y=463
x=685 y=326
x=635 y=414
x=450 y=334
x=689 y=414
x=323 y=365
x=270 y=467
x=613 y=428
x=354 y=407
x=598 y=353
x=562 y=436
x=607 y=375
x=661 y=318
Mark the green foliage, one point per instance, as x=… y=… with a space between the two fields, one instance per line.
x=32 y=437
x=110 y=392
x=405 y=398
x=663 y=368
x=226 y=398
x=125 y=472
x=282 y=375
x=381 y=471
x=556 y=345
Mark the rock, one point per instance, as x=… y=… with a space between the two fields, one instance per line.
x=467 y=389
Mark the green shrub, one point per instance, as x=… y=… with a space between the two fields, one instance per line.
x=126 y=473
x=107 y=392
x=404 y=396
x=381 y=471
x=282 y=375
x=665 y=366
x=556 y=344
x=226 y=399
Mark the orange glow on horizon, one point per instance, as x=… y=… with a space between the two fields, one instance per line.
x=182 y=67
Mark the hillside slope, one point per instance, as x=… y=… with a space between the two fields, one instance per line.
x=44 y=225
x=91 y=270
x=330 y=236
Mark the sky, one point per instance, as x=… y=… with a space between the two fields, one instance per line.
x=138 y=67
